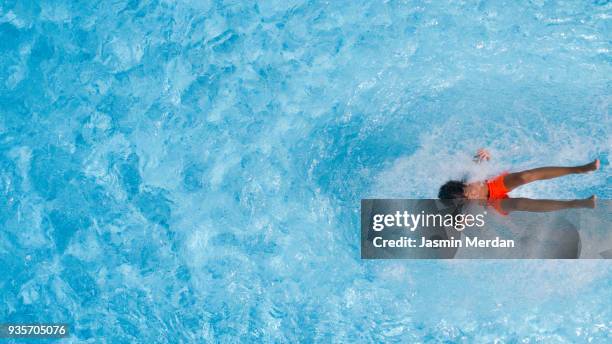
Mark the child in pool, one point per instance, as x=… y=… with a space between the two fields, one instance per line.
x=497 y=188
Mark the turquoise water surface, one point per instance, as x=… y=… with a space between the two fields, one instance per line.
x=176 y=171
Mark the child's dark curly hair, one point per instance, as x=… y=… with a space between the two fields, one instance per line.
x=453 y=189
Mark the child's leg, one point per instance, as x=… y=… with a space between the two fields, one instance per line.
x=514 y=180
x=545 y=205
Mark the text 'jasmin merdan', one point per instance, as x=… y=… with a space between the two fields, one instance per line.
x=414 y=221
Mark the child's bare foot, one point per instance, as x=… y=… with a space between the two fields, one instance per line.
x=590 y=202
x=585 y=202
x=590 y=167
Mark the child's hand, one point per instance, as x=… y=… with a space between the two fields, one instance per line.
x=482 y=155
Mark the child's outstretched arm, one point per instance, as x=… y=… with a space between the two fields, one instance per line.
x=514 y=180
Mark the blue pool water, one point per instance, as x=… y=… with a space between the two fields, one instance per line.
x=192 y=170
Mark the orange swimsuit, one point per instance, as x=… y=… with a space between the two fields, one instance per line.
x=497 y=192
